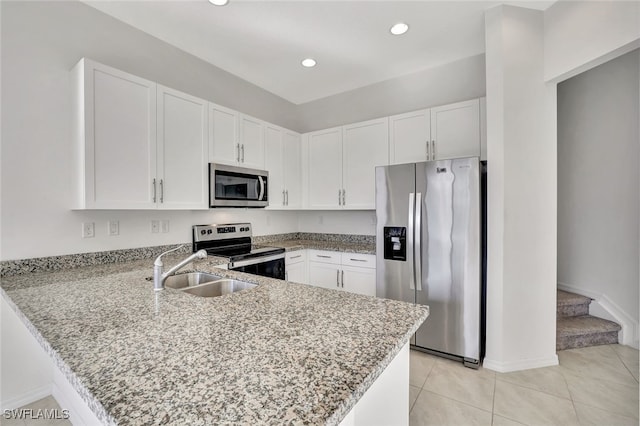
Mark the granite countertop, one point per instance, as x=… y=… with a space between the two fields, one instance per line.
x=278 y=353
x=341 y=246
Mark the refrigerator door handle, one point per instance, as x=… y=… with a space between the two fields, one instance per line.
x=410 y=235
x=417 y=241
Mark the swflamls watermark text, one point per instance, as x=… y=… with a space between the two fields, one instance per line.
x=42 y=414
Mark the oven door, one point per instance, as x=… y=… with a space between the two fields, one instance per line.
x=268 y=266
x=231 y=186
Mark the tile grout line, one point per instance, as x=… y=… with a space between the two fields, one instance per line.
x=625 y=365
x=493 y=400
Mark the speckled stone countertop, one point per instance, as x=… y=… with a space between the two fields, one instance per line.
x=280 y=353
x=291 y=245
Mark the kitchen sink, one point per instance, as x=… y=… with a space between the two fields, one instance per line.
x=190 y=279
x=219 y=287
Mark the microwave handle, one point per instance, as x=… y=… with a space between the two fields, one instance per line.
x=261 y=194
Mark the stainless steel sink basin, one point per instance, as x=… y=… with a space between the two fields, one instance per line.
x=190 y=279
x=218 y=288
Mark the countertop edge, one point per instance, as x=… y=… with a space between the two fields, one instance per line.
x=94 y=405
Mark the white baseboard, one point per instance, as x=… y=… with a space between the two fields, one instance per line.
x=603 y=307
x=70 y=400
x=26 y=398
x=521 y=364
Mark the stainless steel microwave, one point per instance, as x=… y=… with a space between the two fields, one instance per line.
x=231 y=186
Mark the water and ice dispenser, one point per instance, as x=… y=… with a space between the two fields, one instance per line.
x=395 y=243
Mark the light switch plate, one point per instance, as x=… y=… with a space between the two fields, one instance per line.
x=155 y=226
x=164 y=226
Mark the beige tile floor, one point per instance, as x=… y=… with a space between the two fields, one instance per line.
x=592 y=386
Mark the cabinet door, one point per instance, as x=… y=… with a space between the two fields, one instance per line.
x=325 y=168
x=273 y=163
x=365 y=146
x=182 y=150
x=483 y=129
x=251 y=143
x=359 y=280
x=296 y=273
x=455 y=130
x=324 y=275
x=224 y=144
x=292 y=170
x=409 y=137
x=118 y=145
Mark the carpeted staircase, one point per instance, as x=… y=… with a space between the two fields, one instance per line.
x=575 y=328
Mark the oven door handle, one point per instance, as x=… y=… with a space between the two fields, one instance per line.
x=255 y=260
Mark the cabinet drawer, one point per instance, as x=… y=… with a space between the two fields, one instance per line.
x=296 y=256
x=324 y=256
x=359 y=260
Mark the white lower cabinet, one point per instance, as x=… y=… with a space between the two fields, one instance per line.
x=296 y=266
x=350 y=272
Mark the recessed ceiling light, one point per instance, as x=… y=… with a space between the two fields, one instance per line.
x=308 y=62
x=218 y=2
x=399 y=28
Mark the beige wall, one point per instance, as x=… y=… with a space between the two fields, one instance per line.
x=599 y=182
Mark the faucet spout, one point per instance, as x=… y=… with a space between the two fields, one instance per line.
x=159 y=277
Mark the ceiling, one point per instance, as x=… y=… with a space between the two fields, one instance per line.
x=264 y=42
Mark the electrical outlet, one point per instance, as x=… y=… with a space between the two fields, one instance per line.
x=88 y=230
x=164 y=226
x=114 y=227
x=320 y=219
x=155 y=226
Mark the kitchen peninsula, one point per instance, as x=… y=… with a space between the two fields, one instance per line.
x=278 y=353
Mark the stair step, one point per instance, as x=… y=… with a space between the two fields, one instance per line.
x=585 y=330
x=571 y=304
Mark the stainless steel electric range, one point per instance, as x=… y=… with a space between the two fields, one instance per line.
x=233 y=241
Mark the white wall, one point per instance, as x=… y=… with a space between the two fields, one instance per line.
x=521 y=149
x=599 y=182
x=457 y=81
x=41 y=42
x=582 y=34
x=338 y=222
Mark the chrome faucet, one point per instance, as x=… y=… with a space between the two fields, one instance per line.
x=159 y=277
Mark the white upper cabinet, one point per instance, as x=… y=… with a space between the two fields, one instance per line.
x=182 y=150
x=251 y=142
x=274 y=164
x=483 y=129
x=282 y=161
x=409 y=137
x=292 y=169
x=140 y=145
x=364 y=146
x=115 y=130
x=448 y=131
x=325 y=169
x=455 y=130
x=235 y=139
x=224 y=145
x=341 y=165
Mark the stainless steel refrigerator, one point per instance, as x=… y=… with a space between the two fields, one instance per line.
x=429 y=250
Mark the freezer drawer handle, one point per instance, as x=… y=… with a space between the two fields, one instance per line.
x=418 y=238
x=412 y=210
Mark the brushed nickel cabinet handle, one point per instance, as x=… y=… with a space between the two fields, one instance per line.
x=162 y=190
x=323 y=256
x=287 y=191
x=295 y=257
x=433 y=150
x=243 y=153
x=154 y=189
x=342 y=279
x=337 y=278
x=344 y=197
x=283 y=199
x=359 y=260
x=428 y=150
x=238 y=155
